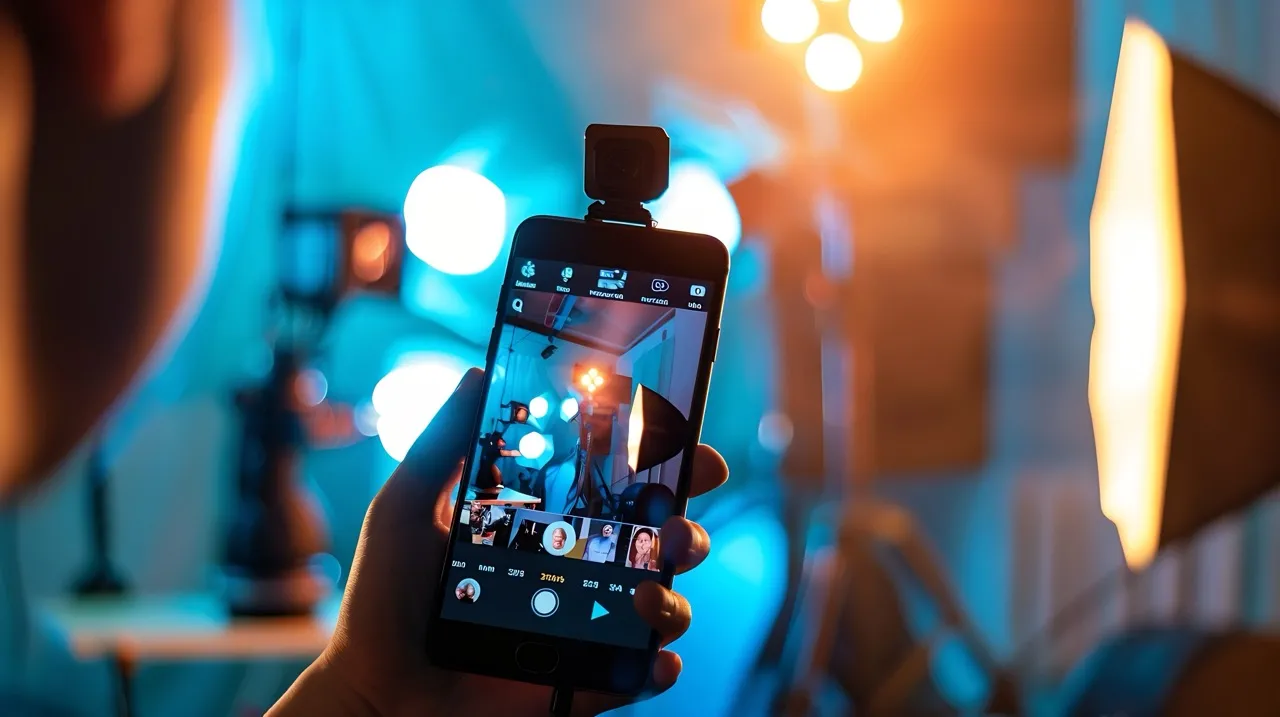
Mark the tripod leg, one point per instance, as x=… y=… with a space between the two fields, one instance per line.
x=811 y=672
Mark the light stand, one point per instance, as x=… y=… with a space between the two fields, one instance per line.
x=278 y=528
x=586 y=437
x=101 y=577
x=879 y=552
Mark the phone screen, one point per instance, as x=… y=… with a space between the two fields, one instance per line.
x=583 y=434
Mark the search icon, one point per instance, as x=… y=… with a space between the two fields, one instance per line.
x=517 y=305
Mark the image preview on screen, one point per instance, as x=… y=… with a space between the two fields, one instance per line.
x=581 y=443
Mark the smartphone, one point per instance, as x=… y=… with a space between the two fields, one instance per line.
x=597 y=378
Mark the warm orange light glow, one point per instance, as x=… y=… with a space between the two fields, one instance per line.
x=833 y=62
x=789 y=21
x=1138 y=289
x=875 y=20
x=371 y=252
x=592 y=380
x=635 y=430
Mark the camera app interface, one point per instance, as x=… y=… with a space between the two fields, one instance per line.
x=582 y=439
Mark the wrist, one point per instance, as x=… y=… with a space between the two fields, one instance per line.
x=321 y=692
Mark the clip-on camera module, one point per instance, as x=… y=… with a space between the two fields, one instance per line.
x=625 y=167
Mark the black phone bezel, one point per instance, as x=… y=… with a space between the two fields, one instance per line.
x=597 y=667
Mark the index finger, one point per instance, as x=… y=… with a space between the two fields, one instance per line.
x=709 y=470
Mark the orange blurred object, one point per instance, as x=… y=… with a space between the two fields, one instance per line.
x=592 y=380
x=371 y=252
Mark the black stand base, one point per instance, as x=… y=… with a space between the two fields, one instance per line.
x=101 y=580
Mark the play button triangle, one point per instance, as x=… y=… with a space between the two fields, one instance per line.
x=598 y=611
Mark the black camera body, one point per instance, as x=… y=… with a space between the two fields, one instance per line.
x=627 y=164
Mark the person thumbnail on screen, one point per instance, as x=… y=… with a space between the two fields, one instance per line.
x=587 y=412
x=644 y=551
x=601 y=545
x=468 y=591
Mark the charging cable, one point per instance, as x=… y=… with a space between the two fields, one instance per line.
x=561 y=701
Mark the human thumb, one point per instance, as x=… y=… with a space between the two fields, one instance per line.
x=401 y=542
x=398 y=557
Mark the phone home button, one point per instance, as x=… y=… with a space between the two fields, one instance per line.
x=537 y=658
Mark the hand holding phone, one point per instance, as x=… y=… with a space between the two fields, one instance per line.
x=572 y=459
x=595 y=386
x=376 y=660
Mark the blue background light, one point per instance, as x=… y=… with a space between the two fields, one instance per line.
x=532 y=445
x=698 y=201
x=538 y=407
x=408 y=397
x=568 y=408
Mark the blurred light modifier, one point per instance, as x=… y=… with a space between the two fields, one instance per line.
x=876 y=20
x=833 y=62
x=533 y=445
x=538 y=407
x=408 y=397
x=455 y=220
x=1138 y=286
x=789 y=21
x=697 y=201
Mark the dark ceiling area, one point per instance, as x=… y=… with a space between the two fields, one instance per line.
x=602 y=324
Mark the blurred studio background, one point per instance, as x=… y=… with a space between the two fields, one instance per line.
x=945 y=386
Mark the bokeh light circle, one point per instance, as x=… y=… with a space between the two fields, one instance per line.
x=833 y=62
x=697 y=201
x=789 y=21
x=876 y=20
x=533 y=445
x=408 y=397
x=538 y=407
x=455 y=220
x=775 y=432
x=568 y=408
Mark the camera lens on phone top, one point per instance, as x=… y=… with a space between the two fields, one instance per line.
x=623 y=165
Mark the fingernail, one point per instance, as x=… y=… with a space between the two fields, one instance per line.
x=668 y=604
x=465 y=376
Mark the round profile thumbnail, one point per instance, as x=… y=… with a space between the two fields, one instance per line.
x=559 y=538
x=467 y=591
